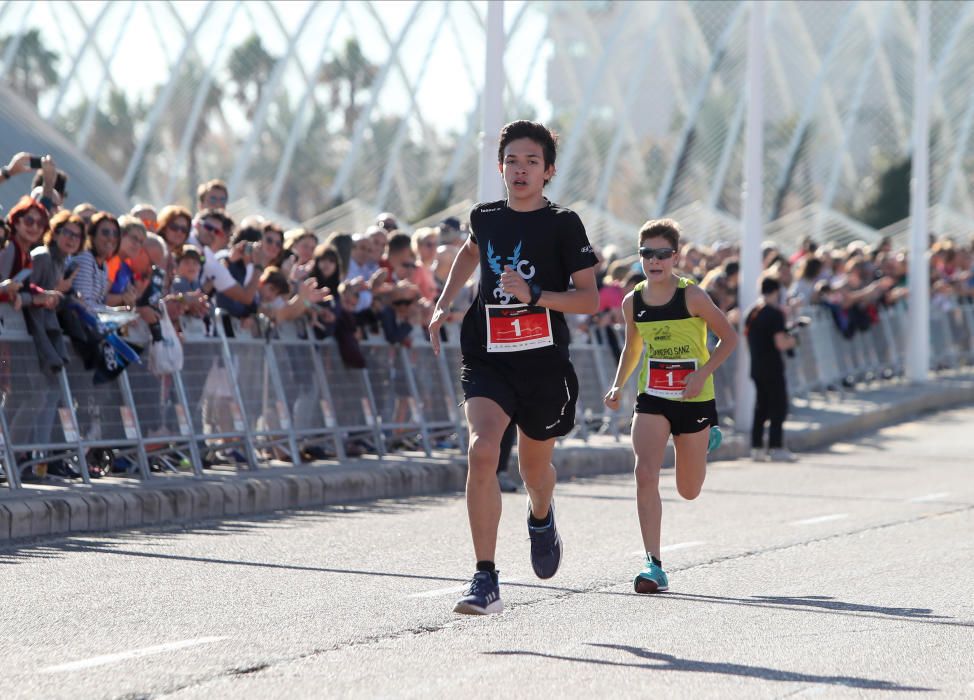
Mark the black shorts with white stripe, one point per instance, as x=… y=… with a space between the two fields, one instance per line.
x=541 y=402
x=684 y=416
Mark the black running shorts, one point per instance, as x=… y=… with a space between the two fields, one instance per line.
x=684 y=416
x=541 y=402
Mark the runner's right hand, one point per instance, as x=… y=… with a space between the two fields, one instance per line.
x=439 y=316
x=613 y=398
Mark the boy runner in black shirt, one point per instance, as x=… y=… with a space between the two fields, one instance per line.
x=514 y=342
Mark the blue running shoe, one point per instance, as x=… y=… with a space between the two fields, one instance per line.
x=715 y=438
x=482 y=597
x=652 y=579
x=545 y=545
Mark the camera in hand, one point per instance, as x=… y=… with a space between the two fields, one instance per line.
x=793 y=329
x=35 y=162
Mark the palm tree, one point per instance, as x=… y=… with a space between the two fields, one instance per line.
x=112 y=141
x=34 y=67
x=250 y=67
x=178 y=116
x=313 y=163
x=350 y=70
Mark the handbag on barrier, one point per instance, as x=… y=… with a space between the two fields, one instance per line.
x=166 y=355
x=96 y=341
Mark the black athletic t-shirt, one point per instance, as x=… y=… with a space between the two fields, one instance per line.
x=546 y=246
x=763 y=322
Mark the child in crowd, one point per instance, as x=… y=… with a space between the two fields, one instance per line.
x=273 y=290
x=189 y=264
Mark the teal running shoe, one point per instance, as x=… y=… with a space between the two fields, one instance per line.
x=715 y=438
x=652 y=579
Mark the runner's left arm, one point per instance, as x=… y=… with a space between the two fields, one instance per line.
x=700 y=304
x=583 y=299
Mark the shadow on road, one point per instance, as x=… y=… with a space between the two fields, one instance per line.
x=162 y=534
x=827 y=605
x=668 y=662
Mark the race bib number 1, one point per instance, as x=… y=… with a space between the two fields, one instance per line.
x=666 y=377
x=516 y=327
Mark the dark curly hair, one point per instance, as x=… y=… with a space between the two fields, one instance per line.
x=523 y=129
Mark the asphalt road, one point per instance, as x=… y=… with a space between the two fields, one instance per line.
x=847 y=574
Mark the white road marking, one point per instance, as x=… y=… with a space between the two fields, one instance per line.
x=130 y=654
x=671 y=547
x=930 y=497
x=821 y=519
x=452 y=589
x=680 y=545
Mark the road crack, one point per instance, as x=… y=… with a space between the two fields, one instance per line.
x=599 y=586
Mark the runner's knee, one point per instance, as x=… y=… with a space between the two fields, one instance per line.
x=530 y=473
x=483 y=453
x=689 y=489
x=647 y=473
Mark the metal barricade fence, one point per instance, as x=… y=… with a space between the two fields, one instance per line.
x=395 y=395
x=307 y=394
x=967 y=332
x=164 y=420
x=436 y=399
x=37 y=422
x=215 y=413
x=591 y=415
x=354 y=404
x=265 y=395
x=107 y=420
x=452 y=361
x=255 y=388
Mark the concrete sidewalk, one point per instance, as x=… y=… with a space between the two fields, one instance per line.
x=114 y=503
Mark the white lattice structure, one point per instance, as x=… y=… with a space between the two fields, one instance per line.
x=944 y=223
x=648 y=98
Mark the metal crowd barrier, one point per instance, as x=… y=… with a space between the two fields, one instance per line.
x=262 y=397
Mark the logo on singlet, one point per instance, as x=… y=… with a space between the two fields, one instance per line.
x=662 y=333
x=523 y=267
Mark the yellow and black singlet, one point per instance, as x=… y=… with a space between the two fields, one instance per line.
x=675 y=345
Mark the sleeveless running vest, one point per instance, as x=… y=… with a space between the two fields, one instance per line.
x=669 y=333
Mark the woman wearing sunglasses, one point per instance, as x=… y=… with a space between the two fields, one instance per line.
x=27 y=222
x=667 y=318
x=48 y=264
x=174 y=226
x=50 y=272
x=91 y=279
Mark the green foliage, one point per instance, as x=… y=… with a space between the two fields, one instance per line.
x=438 y=199
x=889 y=200
x=250 y=67
x=34 y=67
x=347 y=75
x=111 y=143
x=344 y=83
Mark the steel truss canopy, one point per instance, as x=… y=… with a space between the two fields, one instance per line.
x=307 y=106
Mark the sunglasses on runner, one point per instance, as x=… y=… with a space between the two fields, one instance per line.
x=658 y=253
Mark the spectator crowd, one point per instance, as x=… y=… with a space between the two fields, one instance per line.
x=74 y=271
